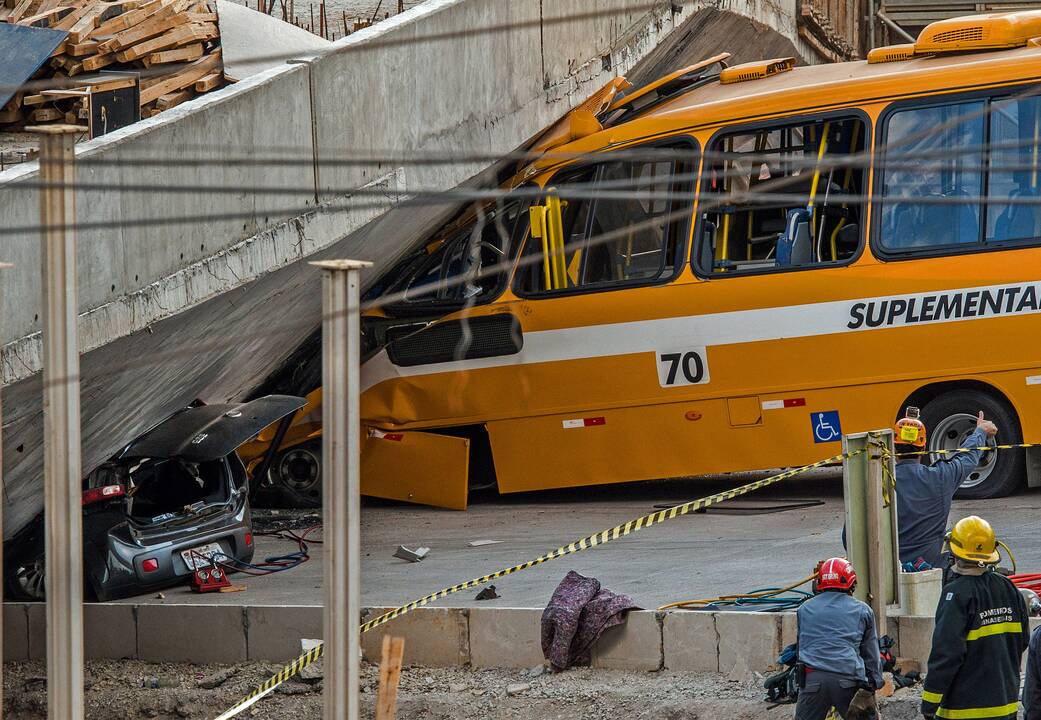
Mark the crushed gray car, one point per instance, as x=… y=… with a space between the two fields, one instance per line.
x=175 y=497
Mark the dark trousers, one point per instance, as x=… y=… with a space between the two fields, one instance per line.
x=823 y=691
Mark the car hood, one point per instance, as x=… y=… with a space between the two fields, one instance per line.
x=209 y=432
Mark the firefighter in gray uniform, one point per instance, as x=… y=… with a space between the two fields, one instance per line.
x=982 y=629
x=924 y=492
x=837 y=645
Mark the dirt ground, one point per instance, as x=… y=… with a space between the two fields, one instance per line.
x=126 y=690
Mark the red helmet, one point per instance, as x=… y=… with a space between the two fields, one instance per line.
x=836 y=574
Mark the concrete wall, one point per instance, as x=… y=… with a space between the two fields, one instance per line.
x=734 y=644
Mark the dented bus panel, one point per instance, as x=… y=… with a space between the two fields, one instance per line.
x=718 y=277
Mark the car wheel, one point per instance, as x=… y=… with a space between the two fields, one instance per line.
x=298 y=475
x=27 y=576
x=950 y=418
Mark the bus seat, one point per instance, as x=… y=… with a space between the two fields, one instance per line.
x=1017 y=221
x=794 y=245
x=848 y=239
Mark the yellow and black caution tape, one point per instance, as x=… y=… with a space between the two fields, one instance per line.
x=590 y=541
x=984 y=448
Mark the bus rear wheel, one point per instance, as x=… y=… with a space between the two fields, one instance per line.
x=298 y=475
x=951 y=418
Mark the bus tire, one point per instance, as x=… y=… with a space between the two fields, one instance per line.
x=951 y=417
x=297 y=472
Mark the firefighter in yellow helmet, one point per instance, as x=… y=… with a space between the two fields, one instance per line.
x=982 y=629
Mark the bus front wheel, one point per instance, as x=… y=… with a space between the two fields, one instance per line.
x=950 y=419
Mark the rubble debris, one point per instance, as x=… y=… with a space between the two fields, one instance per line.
x=517 y=689
x=487 y=593
x=216 y=679
x=173 y=44
x=482 y=543
x=411 y=555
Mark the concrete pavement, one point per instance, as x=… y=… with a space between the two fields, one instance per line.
x=695 y=556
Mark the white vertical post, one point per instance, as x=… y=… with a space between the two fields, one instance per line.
x=341 y=440
x=872 y=532
x=63 y=518
x=3 y=490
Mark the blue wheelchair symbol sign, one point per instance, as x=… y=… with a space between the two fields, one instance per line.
x=826 y=426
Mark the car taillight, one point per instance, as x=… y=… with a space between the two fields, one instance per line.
x=108 y=492
x=150 y=565
x=249 y=539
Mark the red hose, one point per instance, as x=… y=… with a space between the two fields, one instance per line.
x=1027 y=581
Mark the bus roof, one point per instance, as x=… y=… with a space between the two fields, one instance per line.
x=805 y=90
x=809 y=88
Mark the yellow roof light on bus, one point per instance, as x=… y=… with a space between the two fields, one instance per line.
x=891 y=53
x=980 y=32
x=756 y=70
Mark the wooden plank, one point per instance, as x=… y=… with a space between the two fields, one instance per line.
x=204 y=17
x=46 y=115
x=159 y=22
x=208 y=83
x=167 y=40
x=390 y=673
x=85 y=13
x=198 y=69
x=205 y=31
x=34 y=100
x=52 y=94
x=47 y=18
x=129 y=19
x=183 y=54
x=98 y=61
x=19 y=10
x=84 y=25
x=102 y=84
x=165 y=102
x=87 y=47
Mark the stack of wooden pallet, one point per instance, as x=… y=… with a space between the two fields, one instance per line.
x=173 y=44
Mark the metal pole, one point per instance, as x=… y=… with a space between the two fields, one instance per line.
x=3 y=492
x=63 y=517
x=904 y=35
x=341 y=440
x=872 y=533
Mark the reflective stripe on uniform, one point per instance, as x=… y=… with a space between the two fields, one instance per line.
x=932 y=697
x=973 y=713
x=995 y=629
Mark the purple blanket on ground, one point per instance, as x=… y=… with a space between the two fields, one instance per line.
x=577 y=614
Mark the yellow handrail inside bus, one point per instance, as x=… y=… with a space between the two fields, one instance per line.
x=854 y=138
x=555 y=231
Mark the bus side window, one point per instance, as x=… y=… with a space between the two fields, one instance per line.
x=943 y=189
x=933 y=161
x=782 y=196
x=623 y=223
x=1013 y=173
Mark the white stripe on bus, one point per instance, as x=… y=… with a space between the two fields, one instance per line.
x=727 y=328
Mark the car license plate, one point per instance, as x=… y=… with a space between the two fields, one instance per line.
x=202 y=556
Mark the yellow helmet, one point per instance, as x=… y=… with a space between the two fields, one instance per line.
x=973 y=539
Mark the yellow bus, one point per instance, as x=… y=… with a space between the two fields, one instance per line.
x=727 y=270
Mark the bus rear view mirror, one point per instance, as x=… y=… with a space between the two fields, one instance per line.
x=547 y=224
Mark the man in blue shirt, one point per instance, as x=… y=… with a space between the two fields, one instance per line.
x=837 y=644
x=924 y=492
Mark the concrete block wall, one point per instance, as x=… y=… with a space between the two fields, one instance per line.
x=735 y=644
